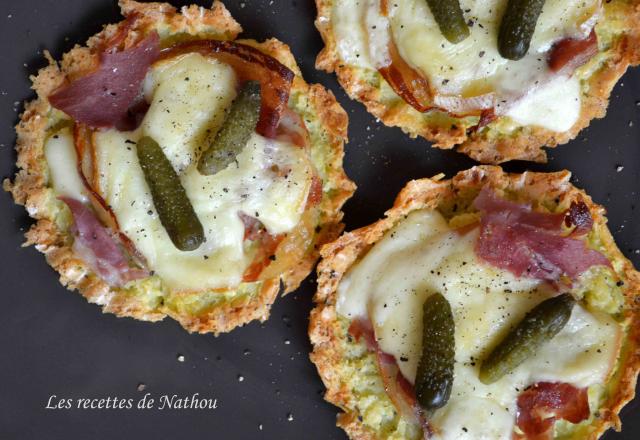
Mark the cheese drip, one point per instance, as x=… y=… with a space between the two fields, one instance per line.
x=62 y=161
x=269 y=181
x=422 y=255
x=472 y=67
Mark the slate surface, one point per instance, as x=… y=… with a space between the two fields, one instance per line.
x=55 y=343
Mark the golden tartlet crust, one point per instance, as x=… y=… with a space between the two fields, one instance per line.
x=491 y=144
x=328 y=336
x=30 y=186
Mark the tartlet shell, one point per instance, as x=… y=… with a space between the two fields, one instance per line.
x=329 y=338
x=489 y=145
x=30 y=186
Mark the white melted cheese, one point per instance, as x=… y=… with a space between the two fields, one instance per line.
x=378 y=29
x=472 y=67
x=60 y=154
x=351 y=37
x=189 y=97
x=422 y=255
x=555 y=106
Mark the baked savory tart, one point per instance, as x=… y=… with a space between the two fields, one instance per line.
x=488 y=306
x=499 y=79
x=176 y=171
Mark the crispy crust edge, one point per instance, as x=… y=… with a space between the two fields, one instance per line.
x=29 y=187
x=527 y=142
x=337 y=257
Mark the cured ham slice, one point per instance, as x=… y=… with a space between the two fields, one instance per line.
x=104 y=97
x=406 y=81
x=291 y=128
x=315 y=192
x=569 y=54
x=542 y=404
x=494 y=206
x=99 y=248
x=361 y=329
x=252 y=226
x=398 y=388
x=254 y=230
x=250 y=65
x=529 y=243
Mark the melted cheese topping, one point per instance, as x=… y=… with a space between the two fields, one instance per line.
x=188 y=95
x=474 y=66
x=422 y=255
x=60 y=154
x=351 y=37
x=270 y=179
x=556 y=106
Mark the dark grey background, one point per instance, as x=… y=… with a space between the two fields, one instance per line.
x=54 y=342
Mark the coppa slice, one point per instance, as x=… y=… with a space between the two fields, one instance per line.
x=112 y=143
x=531 y=244
x=378 y=278
x=491 y=102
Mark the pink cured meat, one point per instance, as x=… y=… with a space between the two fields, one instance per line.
x=528 y=243
x=544 y=402
x=400 y=391
x=99 y=248
x=103 y=98
x=569 y=54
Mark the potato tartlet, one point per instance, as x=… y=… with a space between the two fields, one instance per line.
x=174 y=170
x=496 y=79
x=490 y=305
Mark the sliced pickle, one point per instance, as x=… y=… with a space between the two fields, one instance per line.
x=434 y=378
x=235 y=132
x=540 y=325
x=448 y=15
x=517 y=27
x=169 y=197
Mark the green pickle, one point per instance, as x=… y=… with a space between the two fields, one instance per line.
x=235 y=132
x=540 y=325
x=451 y=22
x=169 y=197
x=517 y=27
x=434 y=377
